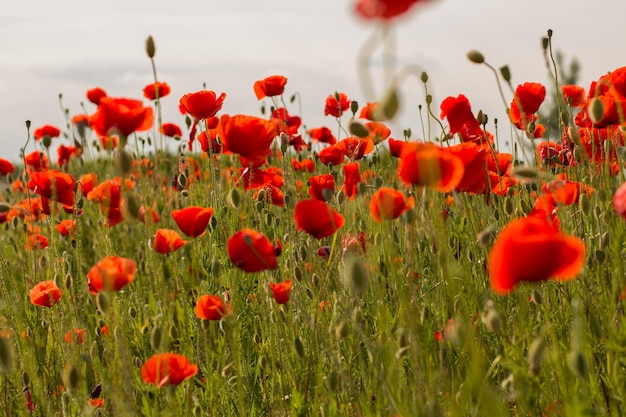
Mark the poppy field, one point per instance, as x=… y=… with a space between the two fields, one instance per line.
x=269 y=268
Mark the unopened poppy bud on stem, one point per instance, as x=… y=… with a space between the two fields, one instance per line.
x=150 y=49
x=475 y=56
x=506 y=73
x=358 y=129
x=535 y=352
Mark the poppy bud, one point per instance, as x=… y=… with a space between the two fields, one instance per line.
x=484 y=238
x=27 y=124
x=403 y=340
x=341 y=330
x=508 y=206
x=132 y=204
x=150 y=49
x=424 y=77
x=389 y=106
x=525 y=172
x=596 y=110
x=429 y=98
x=132 y=312
x=6 y=355
x=71 y=378
x=332 y=381
x=536 y=297
x=25 y=379
x=482 y=118
x=155 y=338
x=475 y=56
x=545 y=42
x=358 y=129
x=262 y=362
x=233 y=198
x=299 y=347
x=492 y=320
x=506 y=73
x=356 y=274
x=535 y=351
x=102 y=302
x=354 y=106
x=68 y=280
x=400 y=353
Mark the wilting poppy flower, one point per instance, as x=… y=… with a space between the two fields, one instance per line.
x=111 y=273
x=150 y=91
x=270 y=86
x=336 y=104
x=202 y=104
x=574 y=95
x=388 y=204
x=6 y=167
x=121 y=116
x=248 y=136
x=428 y=165
x=167 y=369
x=167 y=241
x=95 y=95
x=322 y=187
x=384 y=9
x=45 y=294
x=332 y=155
x=351 y=179
x=532 y=249
x=47 y=130
x=211 y=307
x=193 y=221
x=251 y=251
x=281 y=291
x=76 y=336
x=322 y=134
x=171 y=130
x=316 y=218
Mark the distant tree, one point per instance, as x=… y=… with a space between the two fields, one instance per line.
x=568 y=74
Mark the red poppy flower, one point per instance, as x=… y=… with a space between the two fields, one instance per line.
x=121 y=116
x=461 y=120
x=248 y=136
x=355 y=148
x=53 y=185
x=272 y=195
x=619 y=201
x=171 y=130
x=109 y=195
x=76 y=336
x=323 y=135
x=6 y=167
x=251 y=251
x=351 y=179
x=95 y=95
x=316 y=218
x=318 y=186
x=369 y=111
x=210 y=142
x=332 y=155
x=150 y=91
x=45 y=294
x=574 y=95
x=306 y=165
x=428 y=165
x=87 y=182
x=36 y=161
x=526 y=101
x=336 y=104
x=167 y=241
x=202 y=104
x=270 y=86
x=66 y=227
x=474 y=158
x=389 y=204
x=65 y=153
x=47 y=130
x=378 y=131
x=384 y=9
x=111 y=273
x=211 y=307
x=36 y=241
x=167 y=369
x=532 y=249
x=281 y=291
x=193 y=221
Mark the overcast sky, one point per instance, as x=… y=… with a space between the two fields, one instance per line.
x=69 y=46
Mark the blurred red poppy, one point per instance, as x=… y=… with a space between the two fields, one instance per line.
x=45 y=294
x=317 y=218
x=389 y=204
x=109 y=195
x=251 y=251
x=306 y=165
x=355 y=148
x=428 y=165
x=150 y=91
x=95 y=95
x=202 y=104
x=167 y=241
x=351 y=179
x=336 y=104
x=111 y=273
x=270 y=86
x=332 y=155
x=574 y=95
x=53 y=185
x=474 y=159
x=270 y=194
x=532 y=249
x=369 y=111
x=66 y=227
x=171 y=130
x=211 y=307
x=193 y=221
x=248 y=136
x=6 y=167
x=36 y=161
x=619 y=201
x=76 y=336
x=323 y=135
x=281 y=291
x=322 y=187
x=46 y=130
x=167 y=369
x=384 y=9
x=65 y=153
x=121 y=116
